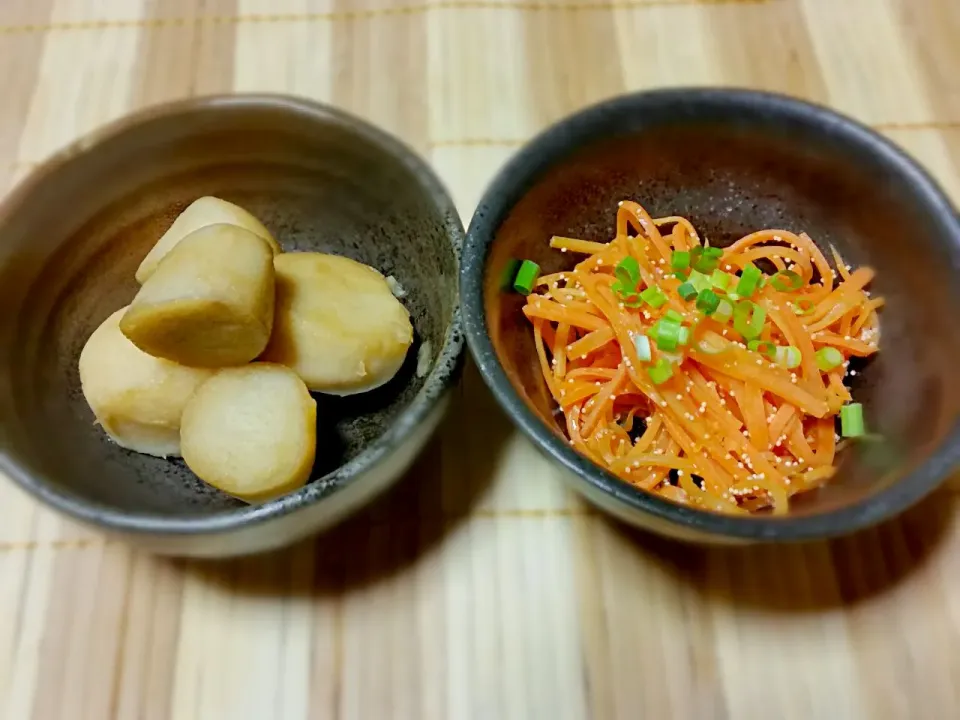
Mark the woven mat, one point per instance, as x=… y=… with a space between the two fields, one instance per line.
x=480 y=587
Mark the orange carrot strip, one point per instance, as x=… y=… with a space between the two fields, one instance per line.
x=560 y=350
x=590 y=342
x=558 y=313
x=586 y=247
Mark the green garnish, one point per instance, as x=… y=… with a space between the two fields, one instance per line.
x=660 y=371
x=705 y=259
x=627 y=273
x=654 y=296
x=828 y=358
x=680 y=260
x=724 y=311
x=700 y=281
x=708 y=301
x=666 y=333
x=526 y=277
x=851 y=420
x=642 y=343
x=687 y=291
x=720 y=279
x=786 y=281
x=749 y=280
x=748 y=319
x=764 y=347
x=788 y=357
x=803 y=306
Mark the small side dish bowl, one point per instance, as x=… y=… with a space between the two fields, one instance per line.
x=734 y=162
x=73 y=235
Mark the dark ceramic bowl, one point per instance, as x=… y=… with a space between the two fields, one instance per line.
x=734 y=162
x=72 y=236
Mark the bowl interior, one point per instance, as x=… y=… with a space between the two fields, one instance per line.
x=733 y=169
x=72 y=243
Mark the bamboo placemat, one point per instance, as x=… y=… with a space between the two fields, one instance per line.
x=480 y=587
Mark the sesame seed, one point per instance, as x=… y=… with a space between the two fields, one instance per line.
x=563 y=250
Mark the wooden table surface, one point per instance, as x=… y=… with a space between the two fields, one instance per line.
x=480 y=587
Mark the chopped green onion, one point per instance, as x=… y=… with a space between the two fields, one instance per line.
x=788 y=357
x=680 y=275
x=680 y=260
x=687 y=291
x=724 y=312
x=654 y=297
x=700 y=281
x=666 y=333
x=720 y=279
x=642 y=343
x=803 y=306
x=851 y=420
x=628 y=271
x=660 y=371
x=732 y=296
x=684 y=337
x=748 y=319
x=828 y=358
x=764 y=347
x=749 y=279
x=786 y=281
x=672 y=314
x=708 y=301
x=705 y=259
x=526 y=277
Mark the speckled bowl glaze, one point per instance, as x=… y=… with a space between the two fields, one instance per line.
x=73 y=235
x=734 y=162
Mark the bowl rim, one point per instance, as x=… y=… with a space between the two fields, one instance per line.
x=550 y=147
x=441 y=376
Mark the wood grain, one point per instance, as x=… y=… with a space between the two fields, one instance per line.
x=480 y=587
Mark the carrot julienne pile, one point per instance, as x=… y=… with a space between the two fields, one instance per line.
x=733 y=376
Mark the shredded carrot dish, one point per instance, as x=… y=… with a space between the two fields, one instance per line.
x=713 y=377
